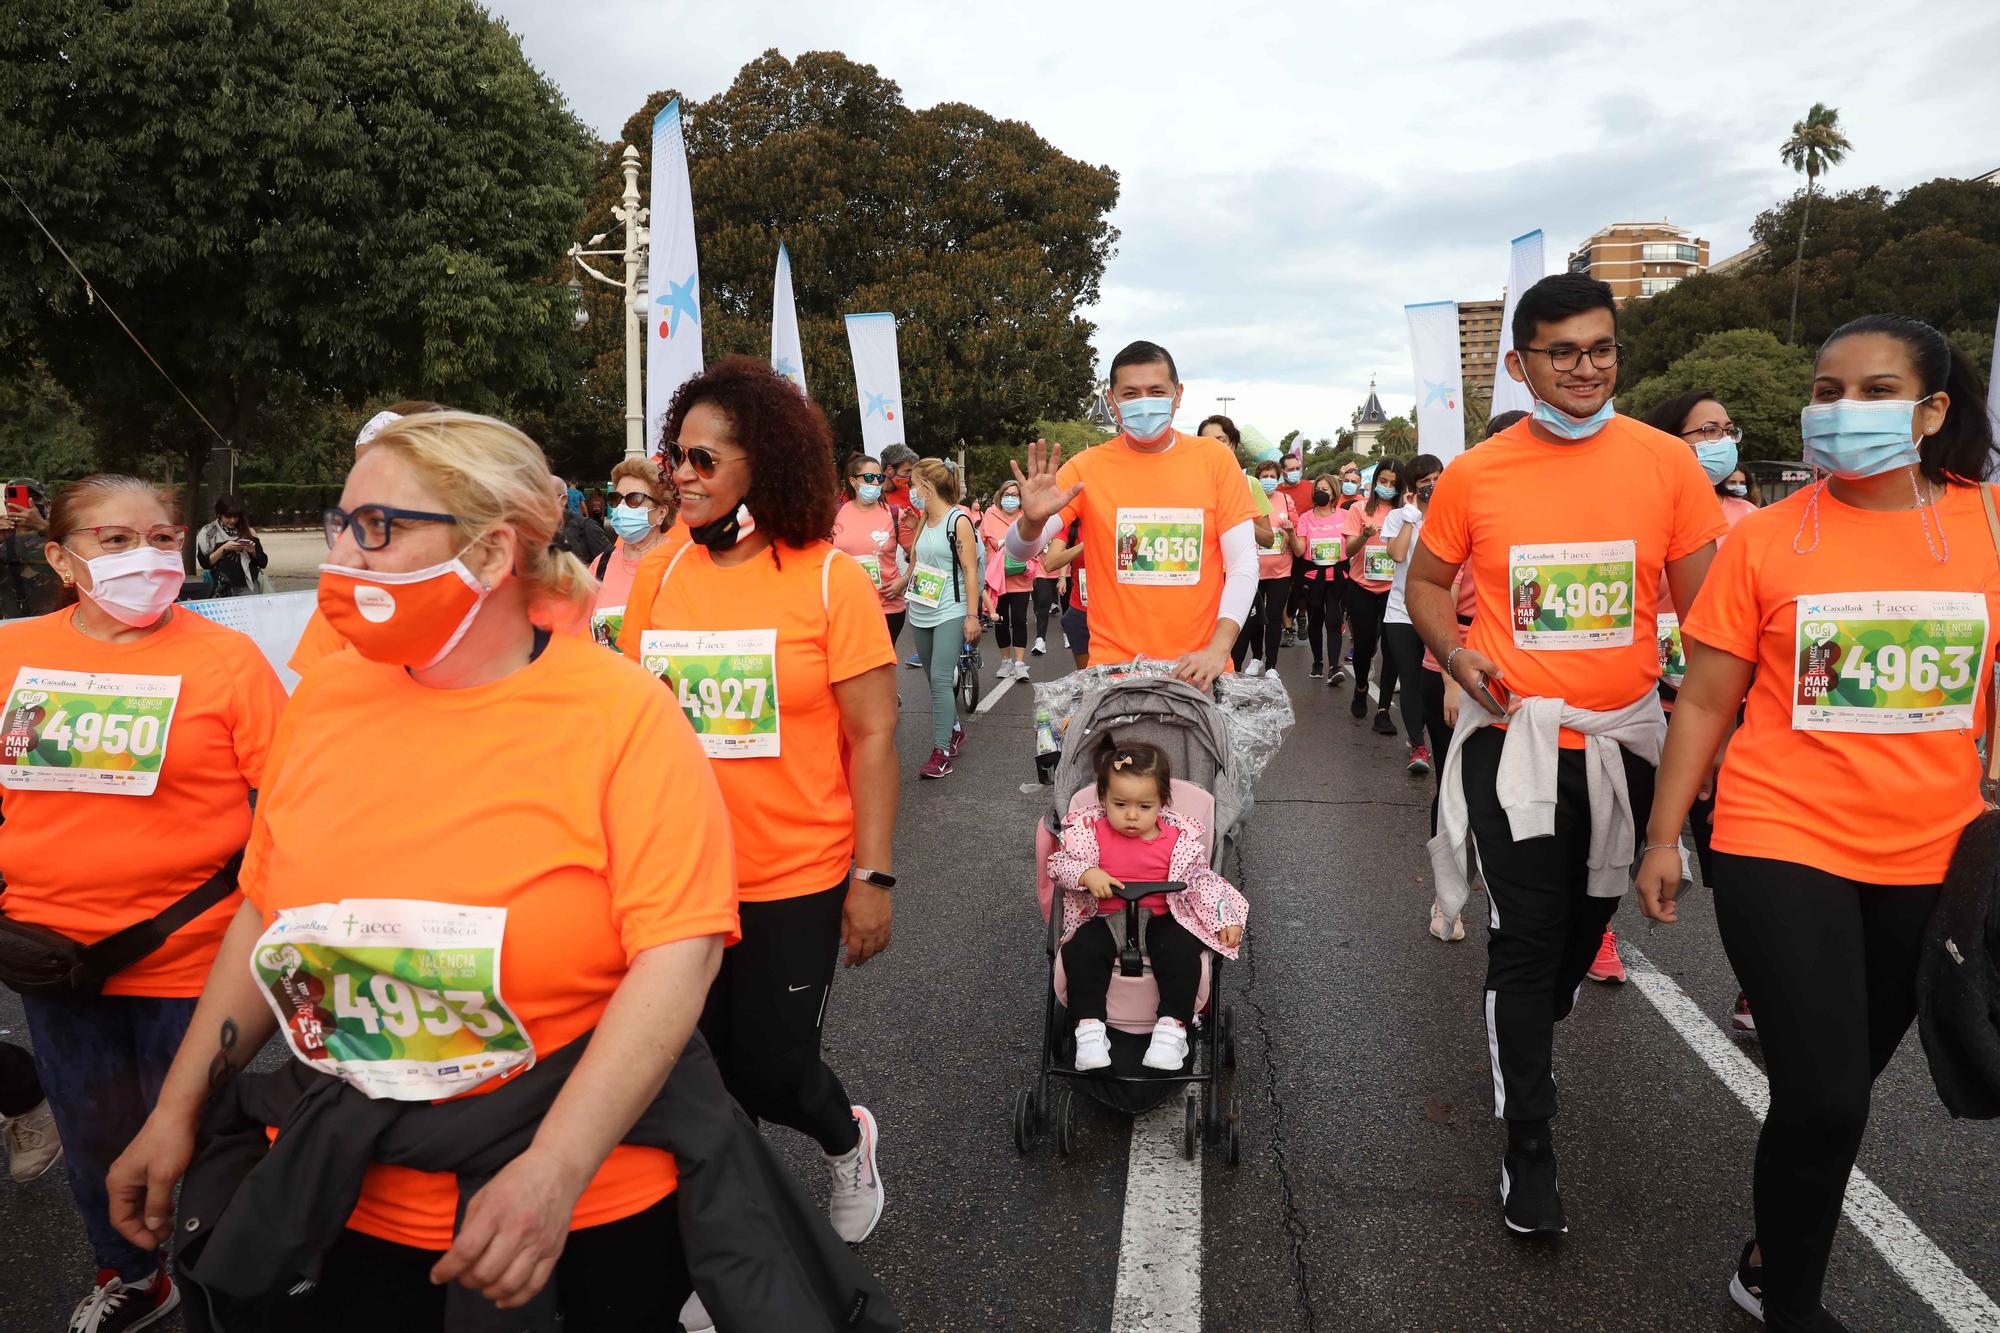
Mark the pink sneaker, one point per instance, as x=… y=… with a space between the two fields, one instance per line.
x=957 y=740
x=940 y=764
x=1608 y=965
x=1420 y=760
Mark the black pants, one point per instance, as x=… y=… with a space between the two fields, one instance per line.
x=765 y=1012
x=1045 y=595
x=1544 y=927
x=627 y=1274
x=1295 y=601
x=1364 y=618
x=1264 y=629
x=1090 y=955
x=1405 y=650
x=896 y=619
x=20 y=1089
x=1439 y=731
x=1012 y=620
x=1830 y=967
x=1322 y=608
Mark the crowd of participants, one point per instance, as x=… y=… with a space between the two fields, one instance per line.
x=520 y=911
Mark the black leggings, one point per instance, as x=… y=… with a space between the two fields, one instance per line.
x=1432 y=685
x=1364 y=614
x=1405 y=650
x=1830 y=967
x=765 y=1011
x=1045 y=595
x=1090 y=955
x=896 y=626
x=1322 y=606
x=617 y=1276
x=1264 y=628
x=20 y=1089
x=1013 y=620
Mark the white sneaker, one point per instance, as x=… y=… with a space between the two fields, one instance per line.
x=1170 y=1045
x=1041 y=646
x=1270 y=673
x=1452 y=936
x=694 y=1317
x=857 y=1187
x=1020 y=670
x=33 y=1145
x=1093 y=1045
x=1254 y=667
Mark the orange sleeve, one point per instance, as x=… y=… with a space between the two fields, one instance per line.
x=1444 y=531
x=646 y=581
x=1726 y=612
x=1698 y=516
x=857 y=635
x=1233 y=503
x=671 y=879
x=319 y=639
x=1069 y=475
x=253 y=877
x=259 y=701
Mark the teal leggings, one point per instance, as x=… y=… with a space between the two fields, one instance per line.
x=939 y=647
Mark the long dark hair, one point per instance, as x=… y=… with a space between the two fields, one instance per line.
x=794 y=492
x=1228 y=429
x=1393 y=467
x=1961 y=453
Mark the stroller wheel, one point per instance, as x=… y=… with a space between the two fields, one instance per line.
x=1024 y=1121
x=1193 y=1128
x=1226 y=1030
x=1064 y=1115
x=1232 y=1137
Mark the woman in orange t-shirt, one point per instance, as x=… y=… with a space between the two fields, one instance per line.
x=1859 y=618
x=485 y=795
x=135 y=734
x=774 y=644
x=641 y=512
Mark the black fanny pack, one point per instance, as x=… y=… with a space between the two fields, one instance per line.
x=35 y=960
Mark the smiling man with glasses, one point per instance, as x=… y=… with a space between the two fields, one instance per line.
x=1565 y=522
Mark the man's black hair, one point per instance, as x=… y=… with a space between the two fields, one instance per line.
x=1505 y=419
x=1142 y=353
x=1557 y=297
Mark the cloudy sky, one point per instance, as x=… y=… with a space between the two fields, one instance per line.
x=1294 y=171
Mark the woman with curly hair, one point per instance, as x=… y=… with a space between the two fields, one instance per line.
x=774 y=643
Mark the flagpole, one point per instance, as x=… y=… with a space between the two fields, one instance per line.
x=635 y=289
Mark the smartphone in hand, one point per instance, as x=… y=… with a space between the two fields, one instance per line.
x=1492 y=695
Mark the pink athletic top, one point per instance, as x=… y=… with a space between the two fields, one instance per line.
x=1135 y=861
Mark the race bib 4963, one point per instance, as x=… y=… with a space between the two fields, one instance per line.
x=1576 y=595
x=726 y=682
x=87 y=732
x=1160 y=547
x=1888 y=662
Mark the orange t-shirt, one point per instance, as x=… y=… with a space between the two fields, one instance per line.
x=89 y=864
x=1352 y=519
x=319 y=639
x=570 y=792
x=1878 y=807
x=1597 y=520
x=793 y=810
x=1135 y=611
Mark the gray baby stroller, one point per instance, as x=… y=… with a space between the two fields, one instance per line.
x=1190 y=728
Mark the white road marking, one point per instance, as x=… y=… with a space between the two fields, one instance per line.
x=1958 y=1300
x=1159 y=1246
x=1005 y=684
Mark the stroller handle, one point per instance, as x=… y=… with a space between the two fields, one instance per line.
x=1138 y=889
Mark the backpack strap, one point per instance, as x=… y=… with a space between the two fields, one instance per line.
x=1991 y=784
x=603 y=563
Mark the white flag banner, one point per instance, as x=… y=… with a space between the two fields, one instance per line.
x=673 y=296
x=878 y=380
x=1440 y=379
x=786 y=356
x=1524 y=270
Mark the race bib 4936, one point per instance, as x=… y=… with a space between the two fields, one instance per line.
x=726 y=682
x=1888 y=662
x=87 y=732
x=1160 y=547
x=1576 y=595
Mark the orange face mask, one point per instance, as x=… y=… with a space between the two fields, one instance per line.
x=409 y=620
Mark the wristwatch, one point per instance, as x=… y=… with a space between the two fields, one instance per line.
x=880 y=879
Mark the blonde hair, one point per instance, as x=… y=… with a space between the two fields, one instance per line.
x=941 y=477
x=638 y=469
x=488 y=473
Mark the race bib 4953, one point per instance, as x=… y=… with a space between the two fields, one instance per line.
x=1576 y=595
x=87 y=732
x=1888 y=662
x=726 y=682
x=1160 y=547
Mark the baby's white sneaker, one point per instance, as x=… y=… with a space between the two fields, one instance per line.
x=1093 y=1045
x=1170 y=1045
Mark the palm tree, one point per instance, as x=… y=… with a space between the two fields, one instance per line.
x=1398 y=438
x=1815 y=145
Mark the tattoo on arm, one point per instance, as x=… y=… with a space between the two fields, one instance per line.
x=221 y=1069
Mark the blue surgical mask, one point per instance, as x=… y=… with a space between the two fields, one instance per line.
x=1860 y=439
x=1350 y=488
x=630 y=524
x=1717 y=459
x=868 y=493
x=1269 y=484
x=1386 y=492
x=1146 y=419
x=1293 y=477
x=1738 y=489
x=1010 y=502
x=1564 y=426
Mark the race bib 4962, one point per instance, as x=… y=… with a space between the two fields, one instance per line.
x=87 y=732
x=1160 y=547
x=1888 y=662
x=1576 y=595
x=726 y=682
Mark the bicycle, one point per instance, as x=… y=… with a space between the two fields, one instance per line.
x=965 y=680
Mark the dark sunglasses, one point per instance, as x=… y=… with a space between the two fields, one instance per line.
x=631 y=500
x=374 y=525
x=868 y=478
x=701 y=458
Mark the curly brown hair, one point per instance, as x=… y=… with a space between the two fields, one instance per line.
x=794 y=491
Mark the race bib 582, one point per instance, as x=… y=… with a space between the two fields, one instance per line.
x=86 y=732
x=727 y=684
x=1888 y=662
x=1577 y=595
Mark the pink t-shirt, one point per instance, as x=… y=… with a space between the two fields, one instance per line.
x=868 y=533
x=616 y=585
x=1376 y=547
x=1734 y=510
x=1135 y=861
x=1317 y=527
x=1278 y=564
x=993 y=534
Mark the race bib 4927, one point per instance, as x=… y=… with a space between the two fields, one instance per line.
x=87 y=732
x=1576 y=595
x=726 y=682
x=1160 y=547
x=1888 y=662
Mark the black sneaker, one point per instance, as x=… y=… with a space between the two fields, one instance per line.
x=1358 y=705
x=1337 y=676
x=1383 y=726
x=1746 y=1288
x=1317 y=670
x=114 y=1307
x=1530 y=1203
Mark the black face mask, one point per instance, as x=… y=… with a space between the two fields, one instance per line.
x=718 y=534
x=1322 y=498
x=1424 y=490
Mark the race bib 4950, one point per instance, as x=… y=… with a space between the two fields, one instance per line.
x=1888 y=662
x=87 y=732
x=1576 y=595
x=726 y=682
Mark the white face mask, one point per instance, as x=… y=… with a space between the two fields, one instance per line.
x=133 y=587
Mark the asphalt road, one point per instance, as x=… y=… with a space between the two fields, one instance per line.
x=1365 y=1199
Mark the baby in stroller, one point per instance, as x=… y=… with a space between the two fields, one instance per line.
x=1133 y=835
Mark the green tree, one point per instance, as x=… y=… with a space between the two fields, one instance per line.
x=1816 y=143
x=42 y=435
x=352 y=197
x=1398 y=438
x=1762 y=382
x=984 y=241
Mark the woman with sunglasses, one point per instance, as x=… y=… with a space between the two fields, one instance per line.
x=775 y=647
x=135 y=733
x=867 y=529
x=487 y=794
x=641 y=517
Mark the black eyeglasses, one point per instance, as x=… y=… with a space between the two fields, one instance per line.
x=1604 y=356
x=868 y=478
x=374 y=525
x=1710 y=433
x=632 y=500
x=700 y=457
